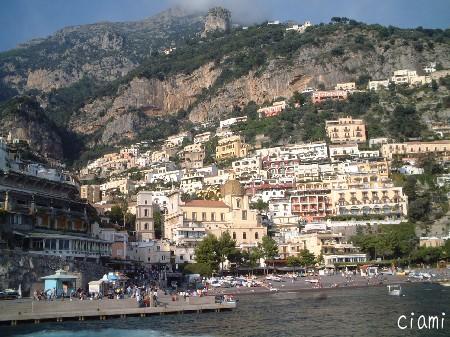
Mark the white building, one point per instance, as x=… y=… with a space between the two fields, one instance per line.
x=202 y=137
x=177 y=140
x=300 y=28
x=376 y=85
x=150 y=252
x=338 y=152
x=230 y=121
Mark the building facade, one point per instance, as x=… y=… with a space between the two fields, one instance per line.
x=346 y=130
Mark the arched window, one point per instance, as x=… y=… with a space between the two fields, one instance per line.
x=238 y=203
x=234 y=235
x=244 y=236
x=256 y=236
x=146 y=226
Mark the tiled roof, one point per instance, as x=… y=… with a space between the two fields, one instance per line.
x=206 y=203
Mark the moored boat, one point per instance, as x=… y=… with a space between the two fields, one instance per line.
x=394 y=290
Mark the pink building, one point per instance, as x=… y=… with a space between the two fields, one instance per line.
x=274 y=110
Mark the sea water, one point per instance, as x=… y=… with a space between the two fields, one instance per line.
x=336 y=312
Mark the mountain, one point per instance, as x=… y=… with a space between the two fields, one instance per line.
x=103 y=51
x=115 y=85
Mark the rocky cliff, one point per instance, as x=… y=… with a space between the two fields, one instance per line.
x=120 y=85
x=104 y=51
x=218 y=18
x=23 y=118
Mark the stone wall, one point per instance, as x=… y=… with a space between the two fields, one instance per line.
x=18 y=267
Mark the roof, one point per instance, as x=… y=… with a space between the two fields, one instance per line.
x=60 y=274
x=206 y=203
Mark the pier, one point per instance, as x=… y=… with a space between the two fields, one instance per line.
x=28 y=311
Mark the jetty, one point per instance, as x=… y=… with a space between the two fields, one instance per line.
x=15 y=312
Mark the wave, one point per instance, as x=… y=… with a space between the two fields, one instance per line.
x=106 y=333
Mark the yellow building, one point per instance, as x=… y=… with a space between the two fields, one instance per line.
x=330 y=245
x=188 y=223
x=440 y=148
x=368 y=195
x=91 y=193
x=346 y=130
x=145 y=229
x=231 y=147
x=345 y=86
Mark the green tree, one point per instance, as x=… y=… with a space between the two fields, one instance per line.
x=268 y=248
x=158 y=223
x=260 y=205
x=226 y=248
x=306 y=258
x=206 y=252
x=405 y=122
x=116 y=214
x=434 y=85
x=293 y=261
x=198 y=268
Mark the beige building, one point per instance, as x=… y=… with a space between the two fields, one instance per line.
x=365 y=194
x=376 y=85
x=345 y=130
x=409 y=77
x=91 y=193
x=345 y=86
x=203 y=137
x=330 y=245
x=187 y=223
x=145 y=229
x=441 y=148
x=231 y=147
x=192 y=156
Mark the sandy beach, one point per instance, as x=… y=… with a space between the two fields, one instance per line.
x=336 y=281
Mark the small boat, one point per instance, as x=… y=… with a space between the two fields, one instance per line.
x=445 y=283
x=394 y=290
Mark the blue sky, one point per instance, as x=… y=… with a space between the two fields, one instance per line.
x=21 y=20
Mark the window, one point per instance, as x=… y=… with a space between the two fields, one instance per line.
x=204 y=216
x=244 y=236
x=256 y=236
x=184 y=215
x=238 y=203
x=146 y=202
x=234 y=235
x=146 y=226
x=222 y=216
x=145 y=212
x=181 y=257
x=194 y=216
x=213 y=216
x=244 y=215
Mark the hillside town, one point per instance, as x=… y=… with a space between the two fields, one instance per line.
x=148 y=205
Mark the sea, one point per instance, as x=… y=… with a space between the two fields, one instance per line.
x=334 y=312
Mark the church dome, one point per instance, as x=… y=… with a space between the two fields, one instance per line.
x=232 y=187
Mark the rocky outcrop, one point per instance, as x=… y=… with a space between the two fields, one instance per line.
x=104 y=51
x=46 y=80
x=18 y=268
x=218 y=18
x=24 y=119
x=118 y=116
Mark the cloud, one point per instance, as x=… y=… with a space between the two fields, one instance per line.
x=244 y=12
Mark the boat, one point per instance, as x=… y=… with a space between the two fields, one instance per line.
x=394 y=290
x=445 y=283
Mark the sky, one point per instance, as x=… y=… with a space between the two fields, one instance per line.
x=22 y=20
